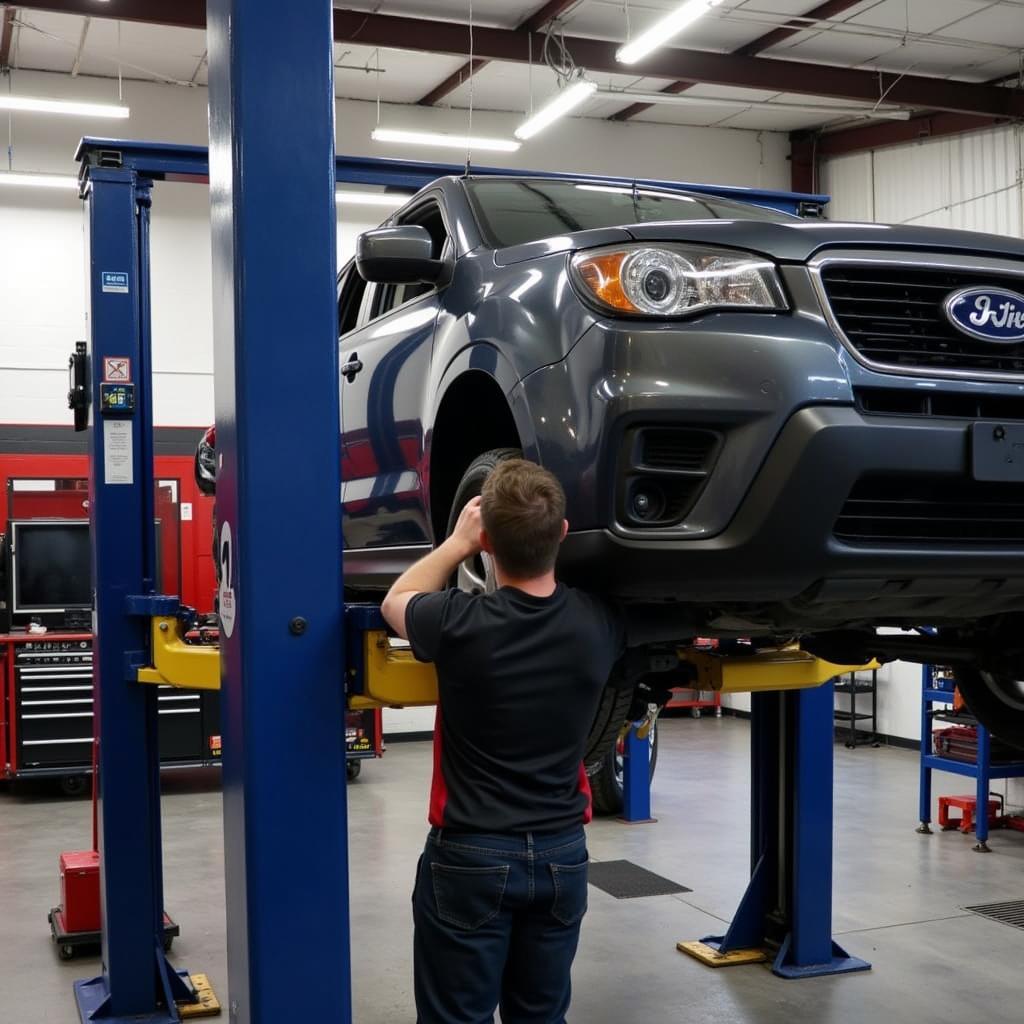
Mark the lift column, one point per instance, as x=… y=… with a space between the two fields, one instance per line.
x=278 y=509
x=136 y=982
x=787 y=908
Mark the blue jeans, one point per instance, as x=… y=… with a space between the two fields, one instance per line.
x=497 y=923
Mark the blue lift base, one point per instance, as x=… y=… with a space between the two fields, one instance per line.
x=93 y=996
x=841 y=962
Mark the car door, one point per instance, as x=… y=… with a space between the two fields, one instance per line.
x=384 y=370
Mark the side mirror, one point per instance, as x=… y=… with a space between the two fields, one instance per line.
x=398 y=255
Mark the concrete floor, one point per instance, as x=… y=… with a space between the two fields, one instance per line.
x=899 y=897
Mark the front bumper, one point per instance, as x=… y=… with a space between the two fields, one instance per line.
x=778 y=560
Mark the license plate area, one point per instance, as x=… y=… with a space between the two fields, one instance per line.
x=997 y=452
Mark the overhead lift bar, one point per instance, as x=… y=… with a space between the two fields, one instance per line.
x=286 y=641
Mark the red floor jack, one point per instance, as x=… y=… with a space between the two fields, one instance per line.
x=75 y=924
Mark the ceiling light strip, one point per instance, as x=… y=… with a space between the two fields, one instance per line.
x=671 y=99
x=558 y=106
x=663 y=30
x=39 y=105
x=15 y=178
x=442 y=139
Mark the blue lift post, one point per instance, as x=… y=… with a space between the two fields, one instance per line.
x=636 y=777
x=787 y=907
x=278 y=484
x=137 y=982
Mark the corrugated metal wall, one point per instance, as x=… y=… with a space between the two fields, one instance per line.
x=973 y=182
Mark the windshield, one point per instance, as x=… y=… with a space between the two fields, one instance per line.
x=511 y=212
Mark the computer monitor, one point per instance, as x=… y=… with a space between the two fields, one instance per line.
x=50 y=566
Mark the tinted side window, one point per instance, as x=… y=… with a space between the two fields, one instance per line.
x=350 y=298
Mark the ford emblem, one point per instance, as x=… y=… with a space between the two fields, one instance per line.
x=991 y=314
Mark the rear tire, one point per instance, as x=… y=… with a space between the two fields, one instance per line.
x=996 y=700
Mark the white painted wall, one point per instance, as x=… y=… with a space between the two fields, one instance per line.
x=970 y=182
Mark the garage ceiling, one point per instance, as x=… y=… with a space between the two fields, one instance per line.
x=966 y=41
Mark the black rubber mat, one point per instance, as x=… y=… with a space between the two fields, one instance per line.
x=1011 y=912
x=626 y=881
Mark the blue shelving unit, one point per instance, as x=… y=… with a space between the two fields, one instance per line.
x=936 y=689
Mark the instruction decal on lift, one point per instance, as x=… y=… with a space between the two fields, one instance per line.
x=114 y=281
x=117 y=370
x=226 y=593
x=118 y=452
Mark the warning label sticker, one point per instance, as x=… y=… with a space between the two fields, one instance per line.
x=114 y=281
x=226 y=556
x=117 y=370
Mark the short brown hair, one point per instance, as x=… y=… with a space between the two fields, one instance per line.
x=523 y=507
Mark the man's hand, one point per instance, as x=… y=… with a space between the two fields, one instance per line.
x=468 y=528
x=433 y=572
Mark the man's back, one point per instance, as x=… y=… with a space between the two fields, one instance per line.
x=519 y=680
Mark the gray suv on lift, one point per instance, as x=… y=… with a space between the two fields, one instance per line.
x=789 y=429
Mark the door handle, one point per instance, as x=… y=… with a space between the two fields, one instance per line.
x=351 y=368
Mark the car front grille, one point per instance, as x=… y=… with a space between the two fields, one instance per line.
x=942 y=404
x=893 y=317
x=932 y=511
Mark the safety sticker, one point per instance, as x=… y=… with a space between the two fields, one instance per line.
x=118 y=460
x=226 y=556
x=114 y=281
x=117 y=370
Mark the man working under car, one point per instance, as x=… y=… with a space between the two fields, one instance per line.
x=501 y=888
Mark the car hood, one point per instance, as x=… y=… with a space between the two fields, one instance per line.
x=788 y=242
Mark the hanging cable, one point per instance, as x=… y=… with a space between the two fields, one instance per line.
x=472 y=94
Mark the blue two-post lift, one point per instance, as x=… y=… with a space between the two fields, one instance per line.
x=272 y=169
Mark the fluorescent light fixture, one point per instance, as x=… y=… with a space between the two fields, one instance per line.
x=631 y=96
x=43 y=106
x=38 y=180
x=558 y=106
x=663 y=30
x=389 y=199
x=442 y=139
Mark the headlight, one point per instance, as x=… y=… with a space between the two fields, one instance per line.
x=673 y=280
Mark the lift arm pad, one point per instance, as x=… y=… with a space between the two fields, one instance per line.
x=176 y=663
x=390 y=677
x=788 y=669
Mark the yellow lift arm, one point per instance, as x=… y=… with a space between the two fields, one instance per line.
x=393 y=678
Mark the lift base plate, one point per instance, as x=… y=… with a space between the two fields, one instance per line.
x=710 y=957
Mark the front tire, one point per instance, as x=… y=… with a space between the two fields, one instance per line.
x=476 y=575
x=996 y=699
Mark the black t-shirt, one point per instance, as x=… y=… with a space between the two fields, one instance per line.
x=520 y=678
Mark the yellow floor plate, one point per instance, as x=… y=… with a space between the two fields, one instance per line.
x=712 y=958
x=208 y=1005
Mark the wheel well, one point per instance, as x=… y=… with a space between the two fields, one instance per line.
x=474 y=417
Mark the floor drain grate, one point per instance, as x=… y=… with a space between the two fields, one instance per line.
x=1010 y=912
x=625 y=880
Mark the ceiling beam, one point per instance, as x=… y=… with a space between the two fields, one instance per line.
x=431 y=36
x=826 y=10
x=598 y=55
x=6 y=35
x=894 y=133
x=809 y=147
x=534 y=23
